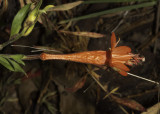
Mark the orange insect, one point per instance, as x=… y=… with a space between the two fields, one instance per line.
x=116 y=57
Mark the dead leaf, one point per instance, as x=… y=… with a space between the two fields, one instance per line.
x=65 y=7
x=78 y=85
x=129 y=103
x=85 y=34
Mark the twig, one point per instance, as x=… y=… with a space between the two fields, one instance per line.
x=88 y=87
x=96 y=81
x=124 y=110
x=121 y=21
x=143 y=93
x=43 y=91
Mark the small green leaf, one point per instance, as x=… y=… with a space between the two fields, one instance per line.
x=18 y=20
x=18 y=58
x=19 y=61
x=6 y=64
x=17 y=67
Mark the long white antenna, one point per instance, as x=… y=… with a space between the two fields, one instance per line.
x=142 y=78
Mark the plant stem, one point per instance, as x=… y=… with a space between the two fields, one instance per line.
x=31 y=57
x=11 y=40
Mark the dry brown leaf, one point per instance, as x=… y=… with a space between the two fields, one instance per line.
x=129 y=103
x=65 y=7
x=78 y=85
x=85 y=34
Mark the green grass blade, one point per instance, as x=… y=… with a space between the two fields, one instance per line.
x=125 y=8
x=112 y=1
